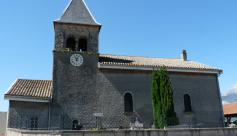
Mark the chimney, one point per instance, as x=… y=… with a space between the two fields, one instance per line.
x=183 y=55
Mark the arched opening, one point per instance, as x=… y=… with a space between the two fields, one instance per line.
x=187 y=103
x=128 y=102
x=71 y=43
x=74 y=124
x=82 y=45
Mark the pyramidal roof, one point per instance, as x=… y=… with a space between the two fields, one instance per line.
x=77 y=12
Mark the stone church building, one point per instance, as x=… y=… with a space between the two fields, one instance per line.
x=86 y=82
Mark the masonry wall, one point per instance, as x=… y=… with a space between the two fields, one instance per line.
x=75 y=93
x=24 y=110
x=202 y=88
x=62 y=31
x=113 y=84
x=204 y=93
x=78 y=92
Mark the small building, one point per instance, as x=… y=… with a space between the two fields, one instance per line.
x=230 y=113
x=86 y=82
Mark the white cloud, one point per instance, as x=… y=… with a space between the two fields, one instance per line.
x=225 y=102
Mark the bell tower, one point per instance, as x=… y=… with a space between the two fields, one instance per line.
x=75 y=62
x=76 y=29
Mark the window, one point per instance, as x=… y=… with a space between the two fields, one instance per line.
x=82 y=45
x=71 y=43
x=187 y=103
x=128 y=102
x=34 y=122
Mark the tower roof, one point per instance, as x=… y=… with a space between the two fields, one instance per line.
x=77 y=12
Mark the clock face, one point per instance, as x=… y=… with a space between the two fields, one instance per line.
x=76 y=59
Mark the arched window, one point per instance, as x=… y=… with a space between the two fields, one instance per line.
x=82 y=45
x=71 y=43
x=187 y=103
x=128 y=104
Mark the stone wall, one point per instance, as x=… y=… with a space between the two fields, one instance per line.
x=175 y=132
x=27 y=109
x=204 y=93
x=78 y=92
x=62 y=31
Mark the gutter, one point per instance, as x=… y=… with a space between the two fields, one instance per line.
x=26 y=99
x=102 y=66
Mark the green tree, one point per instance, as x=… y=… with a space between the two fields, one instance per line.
x=162 y=99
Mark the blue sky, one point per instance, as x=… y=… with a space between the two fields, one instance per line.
x=206 y=29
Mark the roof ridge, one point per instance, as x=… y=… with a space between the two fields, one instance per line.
x=65 y=9
x=33 y=79
x=90 y=12
x=141 y=56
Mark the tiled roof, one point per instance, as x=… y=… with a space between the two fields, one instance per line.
x=230 y=108
x=31 y=88
x=109 y=59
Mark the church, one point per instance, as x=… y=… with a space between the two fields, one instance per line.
x=115 y=87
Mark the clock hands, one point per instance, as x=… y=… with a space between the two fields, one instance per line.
x=76 y=57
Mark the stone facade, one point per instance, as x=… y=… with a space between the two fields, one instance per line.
x=26 y=110
x=63 y=31
x=80 y=91
x=21 y=109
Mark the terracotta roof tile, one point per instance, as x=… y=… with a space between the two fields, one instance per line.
x=230 y=108
x=31 y=88
x=110 y=59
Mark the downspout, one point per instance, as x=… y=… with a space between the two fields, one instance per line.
x=50 y=101
x=223 y=121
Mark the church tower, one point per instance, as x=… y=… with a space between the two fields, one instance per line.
x=76 y=29
x=75 y=62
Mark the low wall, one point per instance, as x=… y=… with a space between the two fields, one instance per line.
x=171 y=132
x=3 y=122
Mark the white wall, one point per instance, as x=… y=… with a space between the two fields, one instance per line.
x=169 y=132
x=3 y=122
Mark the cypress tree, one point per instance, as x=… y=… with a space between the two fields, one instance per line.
x=162 y=99
x=156 y=101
